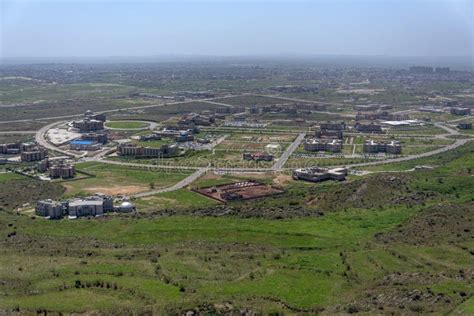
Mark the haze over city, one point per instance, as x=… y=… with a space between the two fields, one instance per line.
x=236 y=157
x=236 y=28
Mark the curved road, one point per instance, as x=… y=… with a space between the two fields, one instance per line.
x=199 y=171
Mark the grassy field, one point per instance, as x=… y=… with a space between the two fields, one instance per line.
x=361 y=246
x=126 y=125
x=114 y=179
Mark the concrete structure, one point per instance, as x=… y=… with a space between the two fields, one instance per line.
x=90 y=123
x=140 y=151
x=368 y=127
x=442 y=70
x=317 y=174
x=50 y=208
x=333 y=126
x=430 y=109
x=91 y=206
x=197 y=119
x=87 y=125
x=179 y=135
x=150 y=137
x=393 y=147
x=460 y=111
x=258 y=156
x=37 y=154
x=380 y=115
x=17 y=148
x=317 y=144
x=95 y=205
x=99 y=117
x=421 y=70
x=62 y=170
x=465 y=125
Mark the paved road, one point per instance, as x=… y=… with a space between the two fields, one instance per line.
x=457 y=143
x=299 y=100
x=41 y=140
x=181 y=184
x=17 y=132
x=278 y=165
x=111 y=111
x=216 y=103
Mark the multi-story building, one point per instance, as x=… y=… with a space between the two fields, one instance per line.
x=392 y=147
x=334 y=126
x=99 y=117
x=316 y=174
x=421 y=70
x=465 y=125
x=50 y=208
x=37 y=154
x=442 y=70
x=17 y=148
x=380 y=115
x=95 y=205
x=368 y=127
x=460 y=111
x=317 y=144
x=140 y=151
x=61 y=170
x=88 y=125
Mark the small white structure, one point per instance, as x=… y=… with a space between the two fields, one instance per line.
x=272 y=148
x=126 y=207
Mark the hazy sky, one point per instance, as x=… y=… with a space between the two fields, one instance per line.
x=32 y=28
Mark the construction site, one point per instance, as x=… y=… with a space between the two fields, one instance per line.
x=245 y=190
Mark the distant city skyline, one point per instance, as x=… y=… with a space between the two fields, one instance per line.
x=236 y=28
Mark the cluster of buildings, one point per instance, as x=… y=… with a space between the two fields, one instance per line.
x=164 y=151
x=258 y=156
x=93 y=134
x=380 y=115
x=320 y=144
x=426 y=70
x=28 y=151
x=196 y=119
x=368 y=127
x=195 y=95
x=179 y=135
x=328 y=137
x=392 y=147
x=57 y=168
x=95 y=205
x=317 y=174
x=331 y=129
x=89 y=141
x=90 y=123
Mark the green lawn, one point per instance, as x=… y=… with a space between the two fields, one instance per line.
x=114 y=179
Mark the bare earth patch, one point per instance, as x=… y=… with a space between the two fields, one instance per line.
x=282 y=179
x=112 y=190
